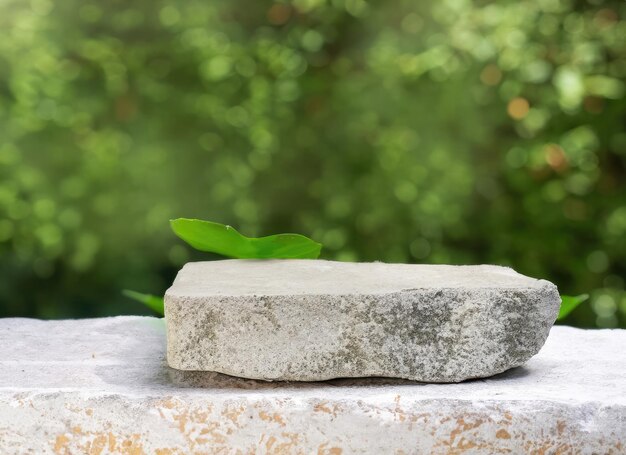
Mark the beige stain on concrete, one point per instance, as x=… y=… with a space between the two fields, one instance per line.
x=323 y=407
x=274 y=417
x=94 y=443
x=502 y=434
x=323 y=449
x=233 y=414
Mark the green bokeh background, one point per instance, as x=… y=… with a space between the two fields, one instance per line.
x=433 y=132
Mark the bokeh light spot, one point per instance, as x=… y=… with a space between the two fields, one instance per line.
x=279 y=14
x=412 y=23
x=90 y=13
x=491 y=75
x=555 y=157
x=312 y=40
x=169 y=15
x=518 y=108
x=420 y=248
x=598 y=261
x=6 y=230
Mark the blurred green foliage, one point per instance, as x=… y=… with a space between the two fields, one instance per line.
x=435 y=131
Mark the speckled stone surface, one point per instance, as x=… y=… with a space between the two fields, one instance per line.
x=102 y=386
x=304 y=320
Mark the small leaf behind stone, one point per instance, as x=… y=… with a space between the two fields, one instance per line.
x=569 y=303
x=152 y=301
x=225 y=240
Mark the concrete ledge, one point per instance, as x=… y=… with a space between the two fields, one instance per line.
x=102 y=386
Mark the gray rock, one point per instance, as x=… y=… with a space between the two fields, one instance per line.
x=101 y=386
x=308 y=320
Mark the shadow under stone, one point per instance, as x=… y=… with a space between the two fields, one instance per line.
x=513 y=373
x=209 y=379
x=162 y=376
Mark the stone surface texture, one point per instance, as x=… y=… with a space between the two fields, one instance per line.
x=304 y=320
x=102 y=386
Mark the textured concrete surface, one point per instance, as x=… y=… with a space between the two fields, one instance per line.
x=304 y=320
x=102 y=386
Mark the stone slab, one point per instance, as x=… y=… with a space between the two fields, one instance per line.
x=103 y=386
x=315 y=320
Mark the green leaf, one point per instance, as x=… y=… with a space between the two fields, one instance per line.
x=568 y=303
x=152 y=301
x=225 y=240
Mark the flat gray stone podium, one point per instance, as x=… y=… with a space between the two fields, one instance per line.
x=307 y=320
x=102 y=386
